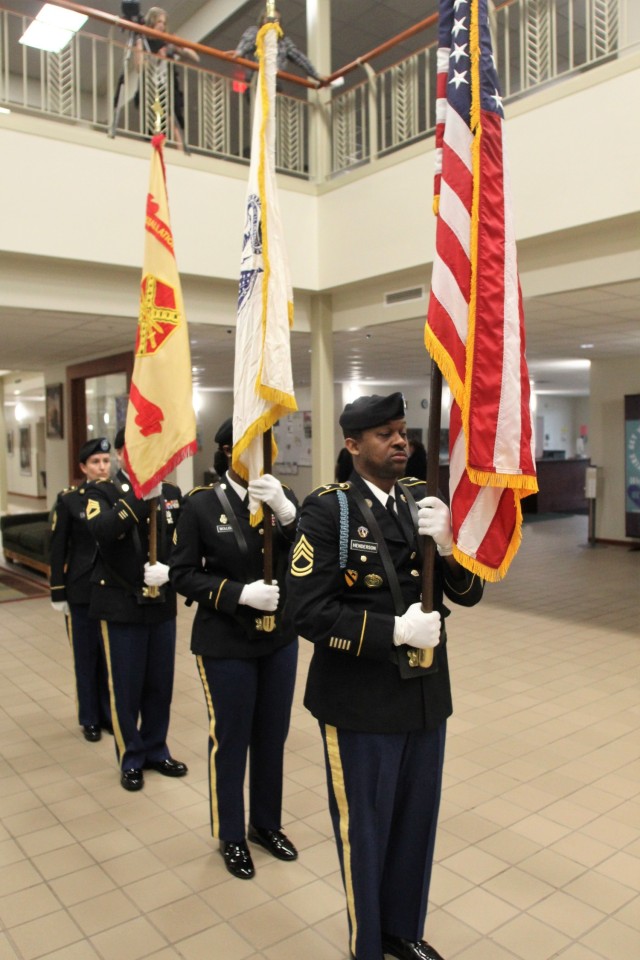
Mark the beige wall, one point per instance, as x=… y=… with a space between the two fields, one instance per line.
x=74 y=241
x=610 y=381
x=86 y=196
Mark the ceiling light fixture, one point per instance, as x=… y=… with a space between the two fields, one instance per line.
x=53 y=28
x=586 y=346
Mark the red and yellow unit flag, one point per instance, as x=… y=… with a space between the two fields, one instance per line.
x=161 y=426
x=263 y=379
x=475 y=322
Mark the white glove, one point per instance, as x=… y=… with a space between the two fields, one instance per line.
x=60 y=606
x=268 y=489
x=434 y=520
x=417 y=629
x=261 y=595
x=154 y=492
x=155 y=574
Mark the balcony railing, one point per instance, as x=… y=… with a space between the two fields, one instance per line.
x=95 y=82
x=535 y=42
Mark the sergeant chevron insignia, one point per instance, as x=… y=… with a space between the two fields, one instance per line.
x=302 y=560
x=93 y=509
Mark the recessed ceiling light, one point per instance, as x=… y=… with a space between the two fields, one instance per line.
x=586 y=346
x=53 y=28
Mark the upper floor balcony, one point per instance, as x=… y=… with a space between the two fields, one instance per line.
x=366 y=111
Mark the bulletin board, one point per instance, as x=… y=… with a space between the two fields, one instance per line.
x=293 y=437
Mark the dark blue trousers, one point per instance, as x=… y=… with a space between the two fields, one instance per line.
x=90 y=668
x=140 y=659
x=249 y=705
x=384 y=796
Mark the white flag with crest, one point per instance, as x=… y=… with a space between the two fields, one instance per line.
x=263 y=380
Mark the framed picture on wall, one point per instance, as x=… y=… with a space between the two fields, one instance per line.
x=25 y=451
x=53 y=411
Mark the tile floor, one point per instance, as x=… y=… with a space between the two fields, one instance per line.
x=539 y=842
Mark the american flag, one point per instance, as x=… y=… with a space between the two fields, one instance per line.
x=475 y=321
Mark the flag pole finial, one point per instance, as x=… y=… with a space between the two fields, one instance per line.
x=159 y=112
x=271 y=9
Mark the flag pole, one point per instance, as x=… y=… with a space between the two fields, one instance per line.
x=433 y=472
x=270 y=13
x=268 y=525
x=153 y=591
x=153 y=539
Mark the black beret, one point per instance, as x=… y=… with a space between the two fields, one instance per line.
x=367 y=412
x=118 y=443
x=98 y=445
x=224 y=435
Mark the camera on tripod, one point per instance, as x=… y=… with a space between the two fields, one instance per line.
x=131 y=11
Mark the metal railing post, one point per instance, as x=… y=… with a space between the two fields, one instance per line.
x=372 y=98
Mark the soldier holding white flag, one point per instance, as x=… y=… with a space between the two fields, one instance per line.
x=246 y=653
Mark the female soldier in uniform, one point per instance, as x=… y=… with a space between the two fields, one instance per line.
x=246 y=654
x=73 y=553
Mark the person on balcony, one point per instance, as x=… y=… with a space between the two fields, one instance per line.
x=287 y=50
x=166 y=77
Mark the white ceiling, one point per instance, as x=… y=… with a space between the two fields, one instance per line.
x=608 y=317
x=557 y=326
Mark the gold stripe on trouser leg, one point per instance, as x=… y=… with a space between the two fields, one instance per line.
x=213 y=779
x=115 y=722
x=337 y=782
x=69 y=626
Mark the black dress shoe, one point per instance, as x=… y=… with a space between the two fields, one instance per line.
x=107 y=728
x=168 y=768
x=237 y=859
x=275 y=842
x=132 y=779
x=92 y=732
x=408 y=949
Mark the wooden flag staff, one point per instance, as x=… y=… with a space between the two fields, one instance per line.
x=433 y=472
x=153 y=591
x=267 y=438
x=267 y=511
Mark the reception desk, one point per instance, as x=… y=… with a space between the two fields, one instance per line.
x=561 y=487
